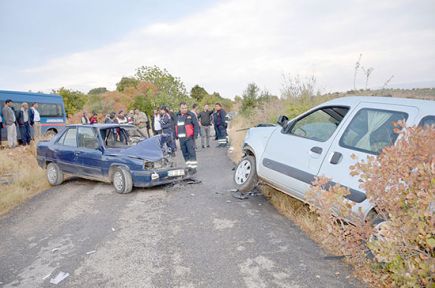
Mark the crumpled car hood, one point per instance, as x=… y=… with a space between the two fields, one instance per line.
x=148 y=149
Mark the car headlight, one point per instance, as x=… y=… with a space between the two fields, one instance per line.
x=163 y=163
x=148 y=165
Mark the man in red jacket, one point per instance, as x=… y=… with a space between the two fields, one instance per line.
x=187 y=131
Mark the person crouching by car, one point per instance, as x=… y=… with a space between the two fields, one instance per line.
x=23 y=120
x=187 y=130
x=167 y=130
x=220 y=125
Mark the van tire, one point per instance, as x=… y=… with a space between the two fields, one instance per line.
x=245 y=175
x=122 y=181
x=54 y=174
x=50 y=133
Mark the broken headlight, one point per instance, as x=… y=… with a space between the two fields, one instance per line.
x=163 y=163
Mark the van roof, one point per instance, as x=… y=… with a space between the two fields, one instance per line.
x=28 y=93
x=427 y=106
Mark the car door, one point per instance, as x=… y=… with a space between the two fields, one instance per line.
x=66 y=151
x=293 y=155
x=368 y=129
x=89 y=152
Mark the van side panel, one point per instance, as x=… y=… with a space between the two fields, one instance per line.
x=52 y=109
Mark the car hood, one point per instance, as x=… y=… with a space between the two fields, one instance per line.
x=148 y=149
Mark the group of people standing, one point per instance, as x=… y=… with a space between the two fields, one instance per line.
x=134 y=117
x=26 y=119
x=185 y=125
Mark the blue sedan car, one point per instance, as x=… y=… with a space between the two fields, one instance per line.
x=118 y=154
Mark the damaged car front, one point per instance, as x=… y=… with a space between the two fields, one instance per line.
x=144 y=158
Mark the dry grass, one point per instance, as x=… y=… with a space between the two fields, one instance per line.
x=300 y=213
x=237 y=137
x=20 y=176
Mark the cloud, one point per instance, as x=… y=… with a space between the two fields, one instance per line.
x=234 y=43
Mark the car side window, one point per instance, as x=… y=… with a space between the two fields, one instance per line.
x=371 y=130
x=69 y=138
x=87 y=138
x=62 y=138
x=428 y=121
x=320 y=124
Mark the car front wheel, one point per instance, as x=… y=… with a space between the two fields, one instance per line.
x=122 y=181
x=54 y=174
x=245 y=175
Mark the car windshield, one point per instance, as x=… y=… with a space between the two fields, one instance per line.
x=121 y=137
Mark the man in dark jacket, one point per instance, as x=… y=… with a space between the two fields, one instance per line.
x=167 y=130
x=205 y=120
x=23 y=120
x=187 y=130
x=220 y=125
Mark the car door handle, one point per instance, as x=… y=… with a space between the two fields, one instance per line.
x=77 y=153
x=336 y=157
x=316 y=150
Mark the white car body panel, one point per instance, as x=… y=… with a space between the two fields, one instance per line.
x=287 y=163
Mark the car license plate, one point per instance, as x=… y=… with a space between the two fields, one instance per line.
x=174 y=173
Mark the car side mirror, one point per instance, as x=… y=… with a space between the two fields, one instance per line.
x=282 y=120
x=100 y=148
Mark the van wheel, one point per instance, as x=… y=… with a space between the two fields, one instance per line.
x=54 y=174
x=122 y=180
x=245 y=175
x=50 y=134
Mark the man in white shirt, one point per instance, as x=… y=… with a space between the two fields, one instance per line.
x=35 y=121
x=157 y=126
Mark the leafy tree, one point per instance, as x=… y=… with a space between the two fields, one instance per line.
x=198 y=93
x=100 y=103
x=217 y=95
x=143 y=103
x=170 y=90
x=126 y=82
x=266 y=96
x=73 y=100
x=99 y=90
x=250 y=97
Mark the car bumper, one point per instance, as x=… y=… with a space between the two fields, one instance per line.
x=41 y=161
x=149 y=178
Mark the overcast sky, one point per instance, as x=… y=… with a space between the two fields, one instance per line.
x=220 y=45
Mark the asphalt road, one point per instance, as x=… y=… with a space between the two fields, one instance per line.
x=187 y=235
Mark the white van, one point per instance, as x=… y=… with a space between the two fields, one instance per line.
x=321 y=141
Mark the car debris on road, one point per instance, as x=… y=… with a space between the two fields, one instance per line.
x=59 y=278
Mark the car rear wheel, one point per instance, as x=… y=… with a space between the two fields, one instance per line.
x=245 y=175
x=54 y=174
x=122 y=181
